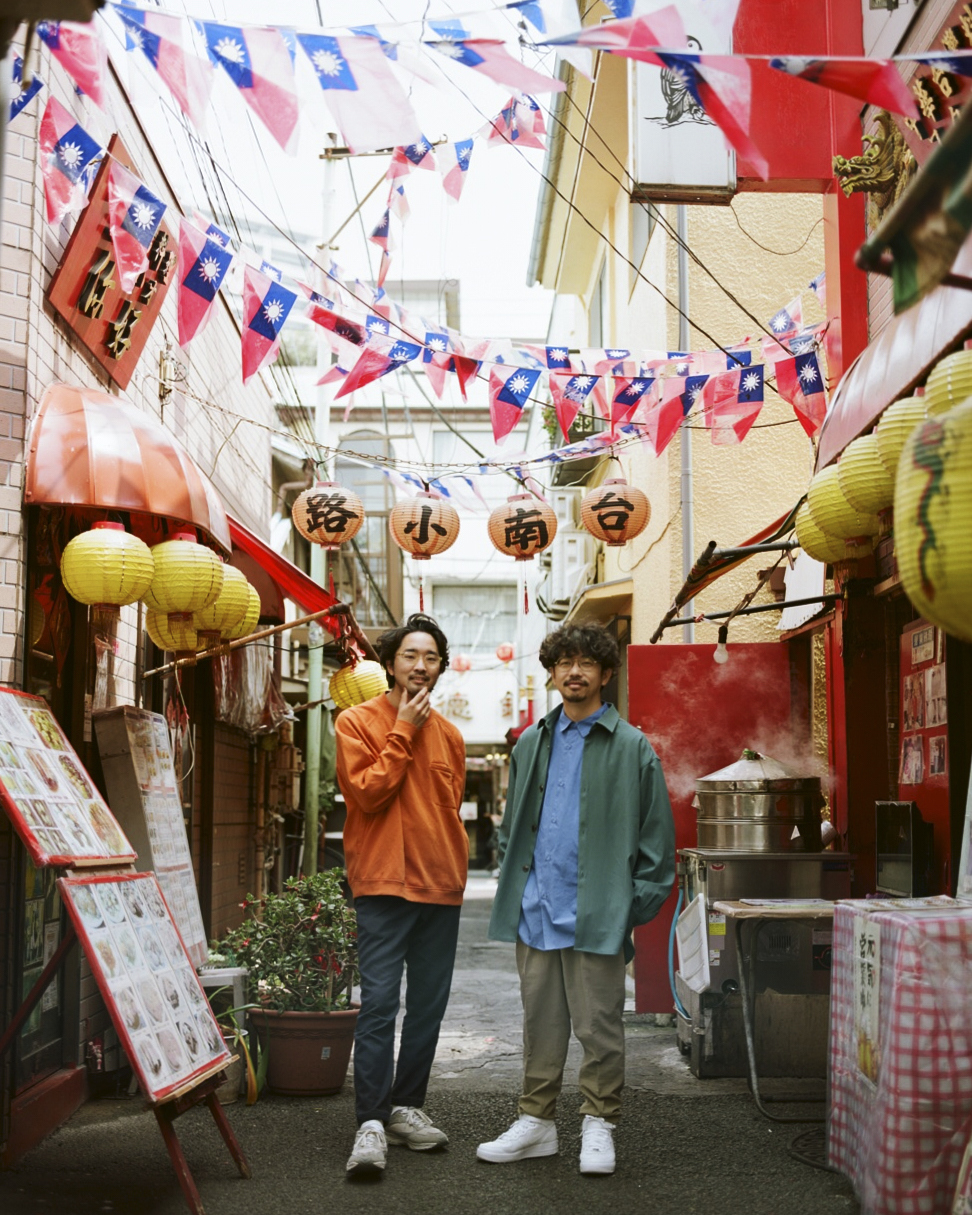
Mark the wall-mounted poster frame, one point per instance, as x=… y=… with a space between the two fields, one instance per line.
x=53 y=804
x=146 y=979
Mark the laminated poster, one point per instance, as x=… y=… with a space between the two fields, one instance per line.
x=148 y=983
x=53 y=804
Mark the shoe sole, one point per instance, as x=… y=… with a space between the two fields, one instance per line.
x=541 y=1149
x=393 y=1141
x=597 y=1172
x=365 y=1169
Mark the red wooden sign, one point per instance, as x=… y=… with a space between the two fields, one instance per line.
x=86 y=292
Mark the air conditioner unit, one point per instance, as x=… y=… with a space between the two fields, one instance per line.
x=566 y=506
x=572 y=553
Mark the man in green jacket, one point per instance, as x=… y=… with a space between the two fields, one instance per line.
x=587 y=851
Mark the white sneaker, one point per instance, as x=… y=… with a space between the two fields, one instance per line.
x=597 y=1145
x=370 y=1147
x=413 y=1128
x=526 y=1138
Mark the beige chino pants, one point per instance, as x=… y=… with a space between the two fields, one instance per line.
x=564 y=989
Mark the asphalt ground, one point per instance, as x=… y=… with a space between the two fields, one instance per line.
x=683 y=1145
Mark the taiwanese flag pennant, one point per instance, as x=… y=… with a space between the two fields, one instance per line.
x=732 y=402
x=665 y=412
x=801 y=342
x=626 y=397
x=203 y=265
x=629 y=33
x=398 y=203
x=208 y=228
x=818 y=286
x=489 y=57
x=418 y=155
x=466 y=369
x=798 y=380
x=378 y=358
x=159 y=37
x=67 y=150
x=381 y=233
x=438 y=365
x=261 y=65
x=508 y=394
x=24 y=95
x=454 y=165
x=722 y=86
x=788 y=320
x=81 y=53
x=436 y=343
x=367 y=102
x=266 y=306
x=569 y=392
x=134 y=215
x=873 y=80
x=384 y=267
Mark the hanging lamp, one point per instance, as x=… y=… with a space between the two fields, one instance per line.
x=228 y=608
x=188 y=575
x=328 y=514
x=356 y=682
x=831 y=511
x=615 y=512
x=949 y=383
x=863 y=477
x=424 y=526
x=895 y=425
x=107 y=566
x=245 y=626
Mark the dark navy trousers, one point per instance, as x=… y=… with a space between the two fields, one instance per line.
x=395 y=935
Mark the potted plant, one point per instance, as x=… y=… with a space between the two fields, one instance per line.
x=300 y=948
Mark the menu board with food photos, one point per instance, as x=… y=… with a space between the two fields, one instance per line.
x=52 y=802
x=148 y=983
x=136 y=758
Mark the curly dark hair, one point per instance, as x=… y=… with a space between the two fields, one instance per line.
x=418 y=622
x=580 y=641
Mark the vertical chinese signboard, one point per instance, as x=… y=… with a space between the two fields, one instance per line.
x=85 y=290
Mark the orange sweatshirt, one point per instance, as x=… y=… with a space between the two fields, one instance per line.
x=402 y=785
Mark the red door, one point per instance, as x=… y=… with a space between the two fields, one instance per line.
x=699 y=716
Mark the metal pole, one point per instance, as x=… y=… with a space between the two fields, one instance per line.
x=685 y=444
x=318 y=571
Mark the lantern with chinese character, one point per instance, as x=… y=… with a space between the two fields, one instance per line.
x=950 y=382
x=227 y=609
x=357 y=682
x=327 y=514
x=461 y=663
x=188 y=576
x=522 y=527
x=932 y=510
x=505 y=651
x=107 y=566
x=863 y=477
x=250 y=618
x=615 y=512
x=424 y=526
x=173 y=631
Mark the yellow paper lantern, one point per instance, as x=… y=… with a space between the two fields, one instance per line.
x=249 y=621
x=357 y=682
x=829 y=549
x=932 y=516
x=831 y=511
x=229 y=606
x=327 y=514
x=522 y=527
x=615 y=512
x=173 y=631
x=863 y=479
x=950 y=382
x=107 y=566
x=424 y=525
x=188 y=576
x=896 y=424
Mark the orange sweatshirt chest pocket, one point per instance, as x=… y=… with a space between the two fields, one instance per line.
x=442 y=786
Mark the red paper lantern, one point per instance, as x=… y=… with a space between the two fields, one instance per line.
x=424 y=525
x=522 y=527
x=461 y=662
x=504 y=651
x=327 y=514
x=615 y=512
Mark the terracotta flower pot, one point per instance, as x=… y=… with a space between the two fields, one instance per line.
x=309 y=1051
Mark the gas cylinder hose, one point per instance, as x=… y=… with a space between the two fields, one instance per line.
x=671 y=958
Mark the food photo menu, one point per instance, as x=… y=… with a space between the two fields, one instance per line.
x=50 y=799
x=146 y=979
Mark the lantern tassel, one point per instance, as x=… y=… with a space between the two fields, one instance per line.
x=521 y=574
x=421 y=581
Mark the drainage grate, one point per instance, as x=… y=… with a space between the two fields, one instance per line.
x=810 y=1147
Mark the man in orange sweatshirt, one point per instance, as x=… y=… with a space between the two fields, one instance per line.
x=402 y=769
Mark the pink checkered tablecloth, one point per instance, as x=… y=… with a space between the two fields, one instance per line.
x=900 y=1136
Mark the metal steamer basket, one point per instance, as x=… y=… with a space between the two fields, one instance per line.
x=758 y=804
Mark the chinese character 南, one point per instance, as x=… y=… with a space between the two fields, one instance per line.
x=421 y=526
x=613 y=512
x=525 y=528
x=328 y=513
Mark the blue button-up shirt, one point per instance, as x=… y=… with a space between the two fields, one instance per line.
x=548 y=914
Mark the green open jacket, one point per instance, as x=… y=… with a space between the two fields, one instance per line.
x=626 y=849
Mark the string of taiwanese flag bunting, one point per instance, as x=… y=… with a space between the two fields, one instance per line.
x=357 y=69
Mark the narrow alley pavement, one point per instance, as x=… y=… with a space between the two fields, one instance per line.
x=684 y=1145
